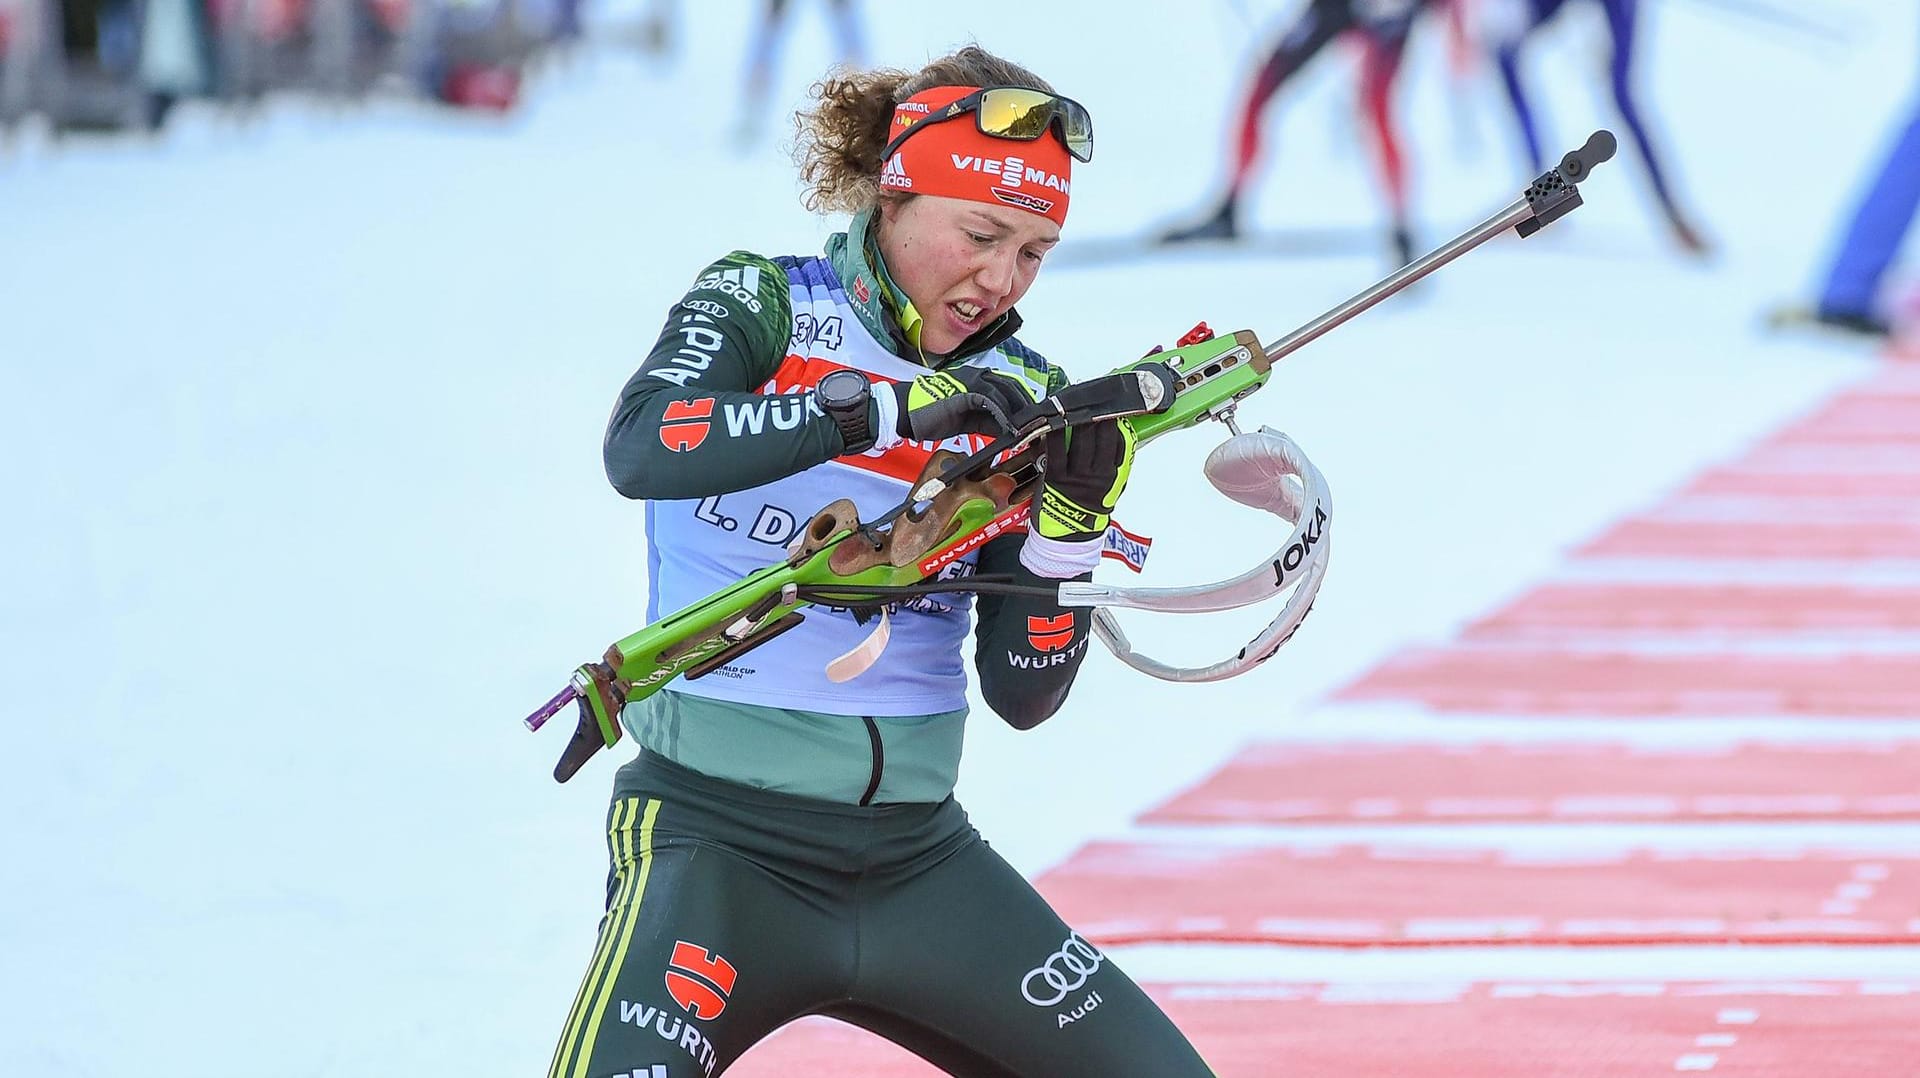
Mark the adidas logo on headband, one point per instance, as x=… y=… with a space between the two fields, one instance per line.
x=894 y=175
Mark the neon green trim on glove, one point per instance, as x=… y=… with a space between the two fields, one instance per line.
x=1064 y=512
x=933 y=388
x=1064 y=519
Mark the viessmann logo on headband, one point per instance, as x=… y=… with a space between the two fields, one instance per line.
x=1012 y=170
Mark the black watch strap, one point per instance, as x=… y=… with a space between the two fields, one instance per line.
x=851 y=412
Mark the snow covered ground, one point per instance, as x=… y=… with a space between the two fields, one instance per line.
x=300 y=424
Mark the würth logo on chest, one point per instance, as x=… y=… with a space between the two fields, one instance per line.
x=686 y=424
x=699 y=980
x=1050 y=634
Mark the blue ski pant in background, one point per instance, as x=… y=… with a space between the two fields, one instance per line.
x=1879 y=225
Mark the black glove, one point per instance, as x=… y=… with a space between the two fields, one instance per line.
x=1087 y=468
x=963 y=400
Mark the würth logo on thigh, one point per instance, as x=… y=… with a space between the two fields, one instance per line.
x=1050 y=634
x=683 y=427
x=699 y=980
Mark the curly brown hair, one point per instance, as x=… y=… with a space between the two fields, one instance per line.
x=839 y=140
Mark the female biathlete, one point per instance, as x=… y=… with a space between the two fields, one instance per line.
x=786 y=844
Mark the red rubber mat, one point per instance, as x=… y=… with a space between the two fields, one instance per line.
x=1548 y=682
x=1359 y=783
x=1807 y=537
x=1815 y=475
x=1858 y=417
x=1562 y=608
x=1117 y=893
x=1831 y=458
x=1763 y=483
x=1766 y=509
x=1798 y=1029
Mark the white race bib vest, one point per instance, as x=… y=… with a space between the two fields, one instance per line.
x=700 y=546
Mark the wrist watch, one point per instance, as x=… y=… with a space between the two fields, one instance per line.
x=846 y=396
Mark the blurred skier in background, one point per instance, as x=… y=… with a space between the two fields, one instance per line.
x=1382 y=27
x=103 y=65
x=787 y=843
x=1506 y=25
x=657 y=32
x=20 y=36
x=1853 y=293
x=769 y=33
x=116 y=65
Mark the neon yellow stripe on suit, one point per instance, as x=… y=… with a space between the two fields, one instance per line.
x=619 y=835
x=632 y=915
x=618 y=819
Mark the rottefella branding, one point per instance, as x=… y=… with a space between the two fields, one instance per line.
x=684 y=425
x=699 y=980
x=1050 y=634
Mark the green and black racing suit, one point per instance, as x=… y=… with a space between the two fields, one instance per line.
x=786 y=845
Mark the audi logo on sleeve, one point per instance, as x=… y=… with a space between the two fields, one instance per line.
x=1064 y=972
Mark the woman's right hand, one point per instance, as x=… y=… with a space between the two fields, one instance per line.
x=963 y=400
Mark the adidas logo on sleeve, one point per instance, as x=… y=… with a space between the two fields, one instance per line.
x=742 y=284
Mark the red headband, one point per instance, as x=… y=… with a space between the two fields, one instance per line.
x=955 y=159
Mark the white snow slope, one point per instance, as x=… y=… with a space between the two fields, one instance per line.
x=302 y=502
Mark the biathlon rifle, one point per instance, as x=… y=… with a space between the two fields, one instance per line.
x=960 y=502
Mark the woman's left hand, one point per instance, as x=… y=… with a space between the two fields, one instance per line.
x=963 y=400
x=1086 y=470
